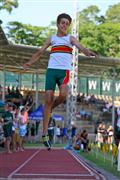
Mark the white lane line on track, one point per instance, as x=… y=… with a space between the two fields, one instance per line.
x=70 y=175
x=96 y=173
x=80 y=162
x=22 y=165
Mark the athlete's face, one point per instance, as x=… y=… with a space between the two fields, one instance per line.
x=63 y=26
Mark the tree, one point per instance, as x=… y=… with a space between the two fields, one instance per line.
x=89 y=15
x=113 y=13
x=27 y=34
x=100 y=33
x=8 y=5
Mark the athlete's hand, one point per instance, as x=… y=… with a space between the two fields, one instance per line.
x=90 y=53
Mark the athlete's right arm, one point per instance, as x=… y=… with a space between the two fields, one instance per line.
x=36 y=55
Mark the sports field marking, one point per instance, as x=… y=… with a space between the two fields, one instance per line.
x=80 y=162
x=70 y=175
x=21 y=166
x=96 y=173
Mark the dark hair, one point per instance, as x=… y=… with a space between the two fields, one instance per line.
x=63 y=15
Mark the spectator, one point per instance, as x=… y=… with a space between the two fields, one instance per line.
x=7 y=118
x=14 y=111
x=51 y=127
x=58 y=134
x=23 y=126
x=64 y=134
x=84 y=140
x=118 y=119
x=73 y=131
x=117 y=127
x=2 y=138
x=110 y=133
x=82 y=113
x=33 y=132
x=104 y=133
x=77 y=142
x=99 y=137
x=29 y=100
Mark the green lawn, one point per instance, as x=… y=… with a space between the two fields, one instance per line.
x=99 y=161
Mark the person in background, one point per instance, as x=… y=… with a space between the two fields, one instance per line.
x=29 y=101
x=7 y=118
x=2 y=138
x=73 y=131
x=51 y=129
x=99 y=138
x=14 y=110
x=77 y=141
x=84 y=140
x=110 y=133
x=58 y=134
x=23 y=126
x=32 y=132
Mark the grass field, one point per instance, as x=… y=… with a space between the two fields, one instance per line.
x=101 y=161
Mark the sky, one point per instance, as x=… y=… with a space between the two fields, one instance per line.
x=42 y=12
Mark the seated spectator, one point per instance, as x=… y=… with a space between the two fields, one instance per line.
x=77 y=142
x=82 y=98
x=82 y=113
x=73 y=131
x=87 y=99
x=92 y=99
x=84 y=140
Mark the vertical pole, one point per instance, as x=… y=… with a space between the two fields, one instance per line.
x=4 y=84
x=19 y=80
x=36 y=95
x=118 y=166
x=72 y=95
x=113 y=97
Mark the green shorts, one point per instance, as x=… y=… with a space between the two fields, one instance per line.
x=56 y=76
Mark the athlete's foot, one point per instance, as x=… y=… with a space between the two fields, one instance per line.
x=46 y=141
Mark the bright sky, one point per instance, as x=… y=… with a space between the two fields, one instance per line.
x=42 y=12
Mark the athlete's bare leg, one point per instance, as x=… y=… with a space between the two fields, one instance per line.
x=49 y=97
x=62 y=96
x=50 y=103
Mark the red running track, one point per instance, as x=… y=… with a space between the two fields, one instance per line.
x=40 y=163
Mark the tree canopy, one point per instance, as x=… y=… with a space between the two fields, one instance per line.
x=8 y=5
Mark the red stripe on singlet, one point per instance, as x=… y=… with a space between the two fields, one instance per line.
x=64 y=49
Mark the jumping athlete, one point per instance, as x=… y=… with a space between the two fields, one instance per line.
x=59 y=67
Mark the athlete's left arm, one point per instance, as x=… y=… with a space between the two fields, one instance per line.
x=81 y=48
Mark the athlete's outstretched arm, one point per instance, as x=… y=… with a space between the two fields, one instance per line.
x=81 y=48
x=36 y=55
